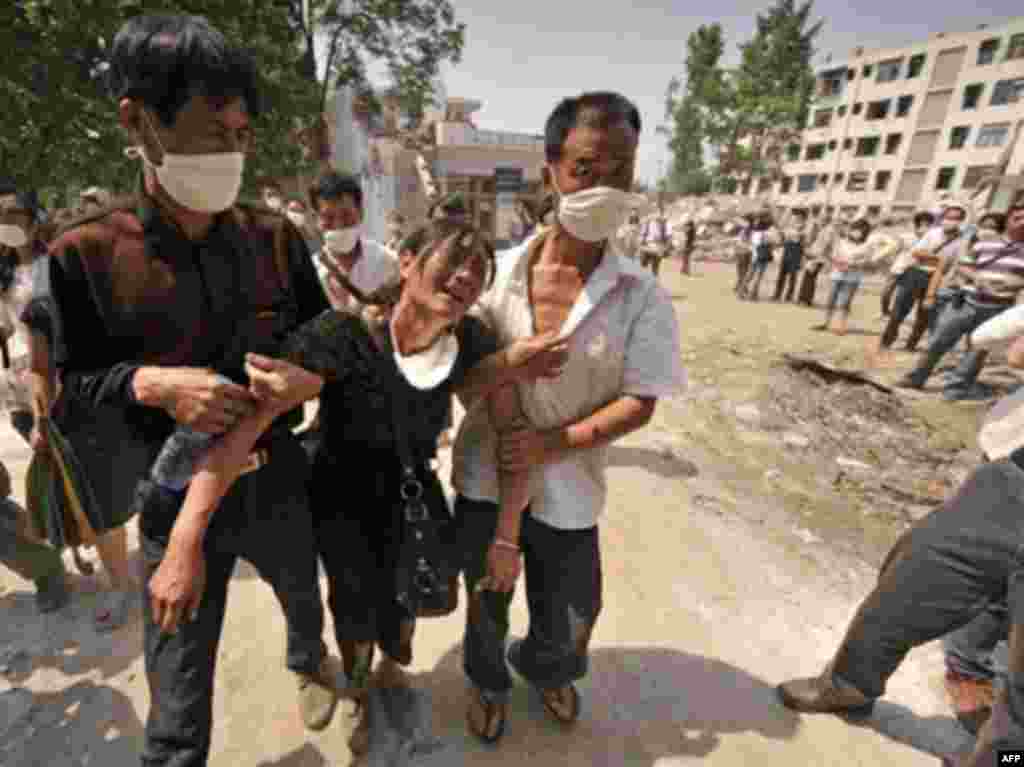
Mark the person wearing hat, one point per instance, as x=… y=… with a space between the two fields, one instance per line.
x=994 y=277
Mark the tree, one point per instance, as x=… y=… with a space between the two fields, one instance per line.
x=745 y=115
x=59 y=127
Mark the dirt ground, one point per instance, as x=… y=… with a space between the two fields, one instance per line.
x=743 y=526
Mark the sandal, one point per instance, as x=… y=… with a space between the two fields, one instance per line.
x=565 y=712
x=494 y=715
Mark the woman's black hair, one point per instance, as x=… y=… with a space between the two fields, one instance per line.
x=165 y=60
x=8 y=263
x=610 y=107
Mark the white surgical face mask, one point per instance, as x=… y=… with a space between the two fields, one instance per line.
x=429 y=368
x=341 y=242
x=299 y=219
x=593 y=214
x=13 y=236
x=207 y=183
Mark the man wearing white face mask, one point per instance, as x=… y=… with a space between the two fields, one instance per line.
x=162 y=302
x=623 y=341
x=346 y=255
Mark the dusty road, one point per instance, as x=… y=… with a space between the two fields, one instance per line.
x=733 y=559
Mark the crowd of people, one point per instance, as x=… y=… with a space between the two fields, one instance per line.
x=159 y=349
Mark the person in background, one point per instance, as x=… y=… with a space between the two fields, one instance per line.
x=822 y=239
x=763 y=240
x=629 y=236
x=452 y=207
x=655 y=241
x=923 y=222
x=940 y=246
x=851 y=255
x=744 y=254
x=527 y=221
x=273 y=198
x=993 y=273
x=689 y=243
x=347 y=256
x=794 y=242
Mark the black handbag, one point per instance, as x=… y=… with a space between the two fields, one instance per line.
x=426 y=577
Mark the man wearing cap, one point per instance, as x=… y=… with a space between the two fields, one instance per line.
x=157 y=294
x=995 y=279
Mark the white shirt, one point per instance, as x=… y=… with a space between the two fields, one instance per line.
x=931 y=241
x=14 y=388
x=376 y=266
x=623 y=339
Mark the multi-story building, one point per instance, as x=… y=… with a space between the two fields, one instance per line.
x=892 y=129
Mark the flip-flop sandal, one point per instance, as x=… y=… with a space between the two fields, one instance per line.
x=495 y=716
x=555 y=706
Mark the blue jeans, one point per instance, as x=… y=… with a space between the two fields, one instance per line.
x=841 y=296
x=954 y=324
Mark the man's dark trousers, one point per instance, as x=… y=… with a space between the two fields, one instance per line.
x=265 y=519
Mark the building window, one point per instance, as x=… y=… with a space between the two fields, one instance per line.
x=972 y=95
x=882 y=179
x=993 y=135
x=786 y=185
x=841 y=111
x=903 y=105
x=866 y=72
x=867 y=147
x=847 y=143
x=878 y=110
x=815 y=151
x=958 y=136
x=806 y=183
x=1008 y=92
x=838 y=179
x=944 y=180
x=1016 y=47
x=916 y=66
x=987 y=52
x=874 y=211
x=857 y=107
x=822 y=118
x=851 y=74
x=832 y=145
x=889 y=70
x=793 y=152
x=974 y=175
x=858 y=182
x=823 y=180
x=831 y=84
x=892 y=143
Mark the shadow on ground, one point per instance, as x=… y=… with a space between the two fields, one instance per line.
x=640 y=704
x=652 y=460
x=85 y=723
x=935 y=735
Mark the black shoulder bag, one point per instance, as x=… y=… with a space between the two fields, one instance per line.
x=426 y=577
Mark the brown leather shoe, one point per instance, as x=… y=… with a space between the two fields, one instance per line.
x=971 y=700
x=820 y=695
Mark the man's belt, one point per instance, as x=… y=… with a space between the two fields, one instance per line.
x=256 y=461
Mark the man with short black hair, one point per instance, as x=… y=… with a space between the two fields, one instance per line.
x=163 y=300
x=347 y=255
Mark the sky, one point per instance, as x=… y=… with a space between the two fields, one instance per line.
x=522 y=57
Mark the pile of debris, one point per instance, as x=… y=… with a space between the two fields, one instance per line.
x=868 y=443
